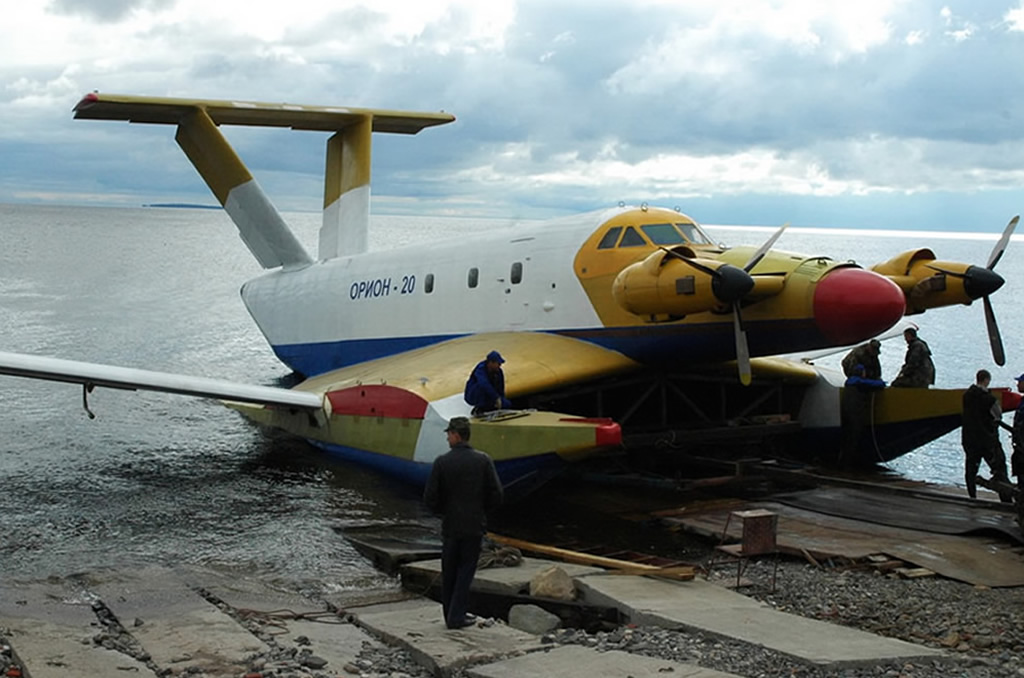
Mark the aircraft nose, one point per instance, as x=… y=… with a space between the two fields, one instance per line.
x=851 y=305
x=981 y=282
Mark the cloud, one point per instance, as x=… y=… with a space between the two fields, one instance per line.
x=105 y=10
x=559 y=104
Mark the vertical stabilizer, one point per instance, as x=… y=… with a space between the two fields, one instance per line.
x=259 y=223
x=346 y=218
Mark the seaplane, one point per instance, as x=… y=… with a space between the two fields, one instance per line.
x=384 y=340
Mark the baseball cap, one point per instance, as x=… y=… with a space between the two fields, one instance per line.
x=495 y=356
x=459 y=425
x=1020 y=378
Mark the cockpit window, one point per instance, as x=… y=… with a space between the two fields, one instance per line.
x=610 y=238
x=694 y=234
x=632 y=239
x=662 y=234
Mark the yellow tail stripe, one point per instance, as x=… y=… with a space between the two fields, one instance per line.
x=212 y=155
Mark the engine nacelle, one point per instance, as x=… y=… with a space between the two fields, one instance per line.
x=664 y=284
x=928 y=283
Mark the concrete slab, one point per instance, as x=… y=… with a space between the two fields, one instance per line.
x=179 y=629
x=339 y=644
x=246 y=594
x=416 y=626
x=703 y=606
x=51 y=628
x=502 y=580
x=573 y=661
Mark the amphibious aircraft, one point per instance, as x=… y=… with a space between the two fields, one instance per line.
x=386 y=339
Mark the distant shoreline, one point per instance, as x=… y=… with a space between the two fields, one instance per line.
x=183 y=205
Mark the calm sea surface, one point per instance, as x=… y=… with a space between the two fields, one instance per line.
x=174 y=480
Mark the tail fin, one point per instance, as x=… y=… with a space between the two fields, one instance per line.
x=347 y=191
x=346 y=182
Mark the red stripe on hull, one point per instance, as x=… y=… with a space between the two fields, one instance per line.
x=377 y=400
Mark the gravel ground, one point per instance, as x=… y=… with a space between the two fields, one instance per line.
x=981 y=629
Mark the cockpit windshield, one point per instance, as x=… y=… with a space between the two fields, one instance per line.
x=662 y=234
x=694 y=234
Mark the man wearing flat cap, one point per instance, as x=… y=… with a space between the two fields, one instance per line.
x=485 y=389
x=463 y=487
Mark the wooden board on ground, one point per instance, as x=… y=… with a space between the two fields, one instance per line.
x=683 y=573
x=971 y=559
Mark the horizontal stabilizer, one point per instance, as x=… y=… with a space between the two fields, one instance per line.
x=170 y=111
x=93 y=374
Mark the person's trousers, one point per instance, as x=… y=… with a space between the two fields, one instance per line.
x=996 y=460
x=459 y=556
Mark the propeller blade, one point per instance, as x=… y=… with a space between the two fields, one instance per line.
x=998 y=355
x=997 y=251
x=742 y=350
x=763 y=249
x=700 y=267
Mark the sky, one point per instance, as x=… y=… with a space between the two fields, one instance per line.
x=877 y=113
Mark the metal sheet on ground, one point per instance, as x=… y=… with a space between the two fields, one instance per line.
x=48 y=623
x=974 y=560
x=178 y=628
x=950 y=515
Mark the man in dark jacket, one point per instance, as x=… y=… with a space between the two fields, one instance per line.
x=463 y=487
x=979 y=434
x=1017 y=436
x=918 y=370
x=485 y=389
x=865 y=355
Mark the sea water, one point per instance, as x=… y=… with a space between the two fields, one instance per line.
x=172 y=480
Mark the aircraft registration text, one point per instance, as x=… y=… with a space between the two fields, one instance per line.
x=381 y=287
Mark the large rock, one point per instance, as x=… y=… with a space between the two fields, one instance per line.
x=532 y=619
x=553 y=582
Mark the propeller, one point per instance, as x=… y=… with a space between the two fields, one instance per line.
x=730 y=284
x=742 y=349
x=982 y=282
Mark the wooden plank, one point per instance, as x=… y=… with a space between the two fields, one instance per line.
x=580 y=558
x=684 y=572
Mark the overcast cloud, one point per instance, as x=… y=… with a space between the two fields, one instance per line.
x=876 y=112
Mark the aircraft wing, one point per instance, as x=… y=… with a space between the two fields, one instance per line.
x=535 y=362
x=93 y=374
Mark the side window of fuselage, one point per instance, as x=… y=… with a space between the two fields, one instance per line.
x=610 y=238
x=517 y=273
x=428 y=283
x=474 y=277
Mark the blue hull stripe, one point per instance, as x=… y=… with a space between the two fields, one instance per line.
x=518 y=476
x=665 y=345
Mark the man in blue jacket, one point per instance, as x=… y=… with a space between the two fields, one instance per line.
x=463 y=487
x=485 y=389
